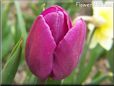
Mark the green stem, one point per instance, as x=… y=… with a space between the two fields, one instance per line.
x=86 y=50
x=53 y=82
x=45 y=4
x=42 y=82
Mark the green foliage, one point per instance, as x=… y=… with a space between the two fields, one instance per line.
x=30 y=79
x=83 y=74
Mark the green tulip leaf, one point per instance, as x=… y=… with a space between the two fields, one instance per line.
x=11 y=66
x=21 y=22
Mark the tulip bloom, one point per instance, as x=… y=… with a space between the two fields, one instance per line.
x=53 y=45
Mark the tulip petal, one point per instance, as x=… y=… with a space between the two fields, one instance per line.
x=67 y=18
x=56 y=8
x=67 y=53
x=58 y=26
x=40 y=48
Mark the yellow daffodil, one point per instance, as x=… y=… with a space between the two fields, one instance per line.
x=103 y=34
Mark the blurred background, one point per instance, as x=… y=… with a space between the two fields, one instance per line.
x=97 y=60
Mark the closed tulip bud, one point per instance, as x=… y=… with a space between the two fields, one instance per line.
x=54 y=46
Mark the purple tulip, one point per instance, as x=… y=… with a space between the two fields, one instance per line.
x=53 y=45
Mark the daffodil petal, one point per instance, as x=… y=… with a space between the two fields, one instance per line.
x=107 y=44
x=102 y=39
